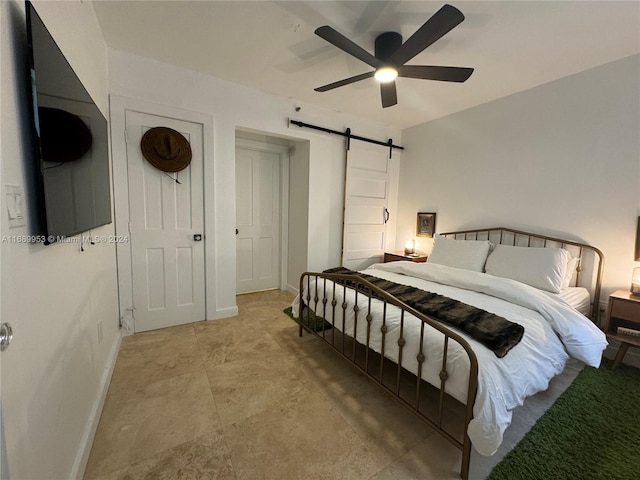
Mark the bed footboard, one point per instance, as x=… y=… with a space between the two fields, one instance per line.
x=356 y=322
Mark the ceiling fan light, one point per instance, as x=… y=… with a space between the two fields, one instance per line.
x=386 y=74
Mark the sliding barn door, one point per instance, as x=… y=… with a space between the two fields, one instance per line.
x=367 y=205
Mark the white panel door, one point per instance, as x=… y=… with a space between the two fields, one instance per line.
x=257 y=219
x=366 y=205
x=167 y=262
x=4 y=468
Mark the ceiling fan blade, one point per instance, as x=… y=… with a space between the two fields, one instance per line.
x=346 y=81
x=343 y=43
x=428 y=72
x=389 y=94
x=433 y=29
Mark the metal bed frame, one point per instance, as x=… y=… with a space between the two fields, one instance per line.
x=590 y=264
x=322 y=299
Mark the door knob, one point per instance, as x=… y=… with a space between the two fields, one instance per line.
x=6 y=335
x=197 y=237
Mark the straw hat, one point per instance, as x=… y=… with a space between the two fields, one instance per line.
x=166 y=149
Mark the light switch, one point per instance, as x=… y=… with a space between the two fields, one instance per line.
x=11 y=206
x=15 y=206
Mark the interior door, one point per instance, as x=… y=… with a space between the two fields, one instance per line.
x=257 y=219
x=4 y=469
x=367 y=210
x=166 y=216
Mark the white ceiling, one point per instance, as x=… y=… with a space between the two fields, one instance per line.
x=270 y=46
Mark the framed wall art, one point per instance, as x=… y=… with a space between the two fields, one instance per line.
x=426 y=225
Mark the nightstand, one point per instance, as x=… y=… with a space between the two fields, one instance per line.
x=623 y=312
x=400 y=256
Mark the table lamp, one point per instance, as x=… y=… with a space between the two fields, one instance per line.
x=635 y=282
x=409 y=247
x=635 y=276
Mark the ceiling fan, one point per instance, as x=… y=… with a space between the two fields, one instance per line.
x=391 y=55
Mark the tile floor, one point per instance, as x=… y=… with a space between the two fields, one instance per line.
x=246 y=398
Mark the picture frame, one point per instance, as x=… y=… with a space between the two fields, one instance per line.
x=426 y=224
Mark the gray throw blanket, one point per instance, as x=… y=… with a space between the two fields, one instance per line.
x=496 y=333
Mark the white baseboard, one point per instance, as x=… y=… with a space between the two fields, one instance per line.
x=82 y=457
x=226 y=313
x=293 y=290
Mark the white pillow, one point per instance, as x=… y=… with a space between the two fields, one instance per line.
x=543 y=268
x=467 y=254
x=572 y=266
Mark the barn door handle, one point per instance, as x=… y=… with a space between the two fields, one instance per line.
x=386 y=215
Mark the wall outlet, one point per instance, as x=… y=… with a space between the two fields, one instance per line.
x=99 y=332
x=602 y=312
x=125 y=323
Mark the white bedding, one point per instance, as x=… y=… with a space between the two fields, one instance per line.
x=552 y=331
x=576 y=297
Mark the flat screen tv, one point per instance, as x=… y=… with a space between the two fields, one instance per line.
x=71 y=142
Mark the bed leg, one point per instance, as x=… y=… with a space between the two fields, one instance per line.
x=300 y=329
x=466 y=458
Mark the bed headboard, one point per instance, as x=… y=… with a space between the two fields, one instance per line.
x=590 y=263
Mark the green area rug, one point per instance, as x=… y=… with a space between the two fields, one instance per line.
x=312 y=321
x=592 y=432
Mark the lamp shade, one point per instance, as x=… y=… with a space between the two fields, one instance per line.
x=409 y=247
x=635 y=282
x=636 y=255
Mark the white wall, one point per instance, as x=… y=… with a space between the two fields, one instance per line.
x=54 y=373
x=561 y=159
x=233 y=106
x=298 y=218
x=77 y=32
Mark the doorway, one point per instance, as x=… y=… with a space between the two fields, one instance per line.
x=262 y=186
x=163 y=264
